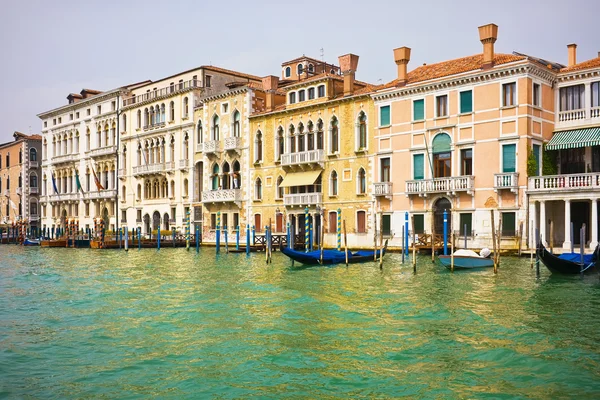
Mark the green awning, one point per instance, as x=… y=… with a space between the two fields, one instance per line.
x=574 y=138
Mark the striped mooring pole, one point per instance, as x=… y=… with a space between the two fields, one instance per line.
x=339 y=229
x=306 y=230
x=218 y=231
x=187 y=231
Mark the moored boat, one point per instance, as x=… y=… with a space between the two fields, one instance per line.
x=331 y=257
x=466 y=259
x=31 y=242
x=568 y=263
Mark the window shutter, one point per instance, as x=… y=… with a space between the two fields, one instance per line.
x=508 y=224
x=509 y=158
x=465 y=219
x=466 y=102
x=384 y=114
x=419 y=221
x=418 y=166
x=536 y=154
x=386 y=221
x=418 y=110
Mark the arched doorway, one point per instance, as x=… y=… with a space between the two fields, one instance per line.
x=166 y=222
x=226 y=177
x=155 y=220
x=105 y=217
x=147 y=224
x=63 y=219
x=442 y=204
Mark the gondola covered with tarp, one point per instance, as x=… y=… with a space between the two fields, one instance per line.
x=331 y=257
x=568 y=263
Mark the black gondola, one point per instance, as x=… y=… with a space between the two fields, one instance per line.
x=331 y=256
x=569 y=263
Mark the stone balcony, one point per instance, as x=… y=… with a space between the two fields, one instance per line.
x=33 y=190
x=153 y=168
x=507 y=180
x=103 y=194
x=7 y=193
x=122 y=173
x=233 y=144
x=103 y=151
x=564 y=183
x=64 y=197
x=382 y=189
x=212 y=147
x=575 y=118
x=302 y=159
x=199 y=147
x=34 y=164
x=448 y=185
x=184 y=164
x=20 y=191
x=34 y=218
x=222 y=196
x=65 y=158
x=302 y=199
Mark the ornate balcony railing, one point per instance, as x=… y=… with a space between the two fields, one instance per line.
x=33 y=190
x=564 y=183
x=34 y=164
x=64 y=197
x=122 y=172
x=184 y=164
x=451 y=184
x=19 y=191
x=302 y=199
x=153 y=168
x=221 y=196
x=382 y=188
x=305 y=157
x=212 y=146
x=103 y=194
x=34 y=217
x=233 y=143
x=103 y=151
x=506 y=180
x=199 y=147
x=595 y=112
x=65 y=158
x=571 y=115
x=174 y=88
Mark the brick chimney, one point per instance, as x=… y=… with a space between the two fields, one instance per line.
x=348 y=65
x=402 y=57
x=572 y=54
x=270 y=84
x=488 y=35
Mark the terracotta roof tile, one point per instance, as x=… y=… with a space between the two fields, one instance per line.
x=230 y=72
x=593 y=63
x=453 y=67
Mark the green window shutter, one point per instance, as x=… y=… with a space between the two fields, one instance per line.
x=386 y=221
x=418 y=110
x=509 y=162
x=419 y=221
x=441 y=143
x=509 y=227
x=384 y=115
x=536 y=153
x=466 y=102
x=466 y=219
x=418 y=166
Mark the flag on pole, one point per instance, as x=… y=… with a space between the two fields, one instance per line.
x=78 y=183
x=54 y=183
x=96 y=180
x=13 y=205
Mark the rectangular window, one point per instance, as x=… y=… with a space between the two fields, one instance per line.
x=595 y=94
x=332 y=222
x=537 y=152
x=53 y=121
x=224 y=220
x=596 y=159
x=77 y=115
x=123 y=216
x=71 y=117
x=213 y=221
x=509 y=227
x=386 y=222
x=509 y=94
x=292 y=98
x=385 y=170
x=419 y=223
x=236 y=220
x=418 y=110
x=87 y=210
x=441 y=106
x=321 y=91
x=301 y=95
x=139 y=215
x=60 y=120
x=207 y=80
x=465 y=224
x=311 y=93
x=466 y=102
x=466 y=156
x=173 y=209
x=113 y=105
x=361 y=222
x=45 y=124
x=384 y=115
x=89 y=111
x=536 y=94
x=418 y=166
x=509 y=162
x=572 y=98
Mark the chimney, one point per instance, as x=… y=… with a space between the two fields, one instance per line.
x=488 y=35
x=348 y=65
x=402 y=57
x=270 y=84
x=572 y=54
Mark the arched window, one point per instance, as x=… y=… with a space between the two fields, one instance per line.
x=301 y=95
x=33 y=180
x=124 y=193
x=258 y=189
x=139 y=192
x=185 y=107
x=333 y=184
x=280 y=145
x=172 y=111
x=292 y=139
x=226 y=176
x=33 y=208
x=32 y=154
x=334 y=136
x=236 y=124
x=185 y=188
x=300 y=137
x=320 y=134
x=300 y=69
x=288 y=72
x=215 y=128
x=310 y=137
x=7 y=160
x=124 y=122
x=199 y=132
x=162 y=113
x=280 y=190
x=237 y=179
x=361 y=181
x=139 y=119
x=146 y=118
x=258 y=147
x=362 y=131
x=215 y=177
x=172 y=195
x=442 y=155
x=311 y=68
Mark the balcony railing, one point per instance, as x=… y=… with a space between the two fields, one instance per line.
x=191 y=84
x=155 y=124
x=564 y=183
x=153 y=168
x=382 y=188
x=103 y=194
x=233 y=143
x=212 y=146
x=34 y=217
x=507 y=180
x=184 y=164
x=7 y=193
x=138 y=221
x=122 y=172
x=451 y=184
x=34 y=164
x=305 y=157
x=64 y=197
x=302 y=199
x=19 y=191
x=103 y=151
x=221 y=196
x=571 y=115
x=65 y=158
x=580 y=117
x=199 y=147
x=33 y=190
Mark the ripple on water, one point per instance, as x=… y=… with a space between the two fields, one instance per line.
x=85 y=323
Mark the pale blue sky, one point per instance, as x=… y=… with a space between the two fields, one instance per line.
x=52 y=48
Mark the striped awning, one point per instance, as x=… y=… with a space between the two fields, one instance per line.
x=574 y=138
x=300 y=178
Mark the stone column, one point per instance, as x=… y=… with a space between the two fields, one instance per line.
x=594 y=222
x=543 y=222
x=567 y=242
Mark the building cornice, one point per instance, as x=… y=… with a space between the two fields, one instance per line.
x=83 y=103
x=223 y=95
x=576 y=75
x=177 y=93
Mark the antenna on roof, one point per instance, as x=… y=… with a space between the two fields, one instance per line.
x=322 y=54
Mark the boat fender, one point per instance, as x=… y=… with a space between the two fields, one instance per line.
x=485 y=252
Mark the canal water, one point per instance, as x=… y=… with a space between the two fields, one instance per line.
x=174 y=324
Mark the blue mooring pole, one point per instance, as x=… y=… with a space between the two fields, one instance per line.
x=253 y=235
x=247 y=240
x=406 y=233
x=139 y=235
x=173 y=233
x=158 y=237
x=226 y=240
x=197 y=239
x=445 y=232
x=289 y=244
x=237 y=237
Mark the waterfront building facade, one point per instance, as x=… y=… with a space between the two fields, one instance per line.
x=20 y=180
x=311 y=153
x=568 y=191
x=455 y=136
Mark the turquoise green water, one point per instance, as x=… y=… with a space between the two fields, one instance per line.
x=173 y=324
